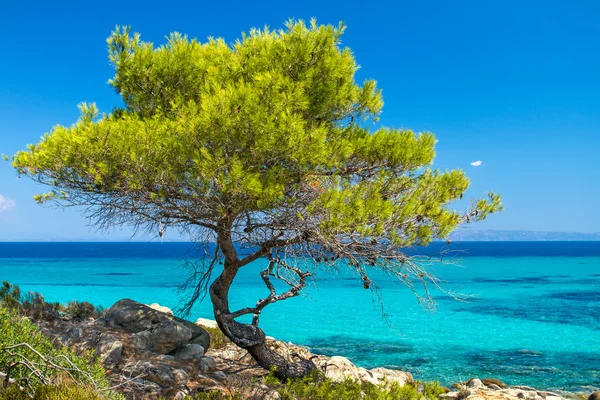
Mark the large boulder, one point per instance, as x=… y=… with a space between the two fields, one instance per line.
x=163 y=337
x=137 y=317
x=595 y=396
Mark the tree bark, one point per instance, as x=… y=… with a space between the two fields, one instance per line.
x=248 y=336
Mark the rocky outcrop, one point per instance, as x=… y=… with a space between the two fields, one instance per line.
x=156 y=331
x=150 y=354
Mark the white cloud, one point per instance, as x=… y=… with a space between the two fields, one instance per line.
x=6 y=204
x=477 y=163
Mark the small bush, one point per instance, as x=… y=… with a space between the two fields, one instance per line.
x=218 y=340
x=433 y=390
x=18 y=330
x=10 y=295
x=81 y=310
x=317 y=386
x=58 y=392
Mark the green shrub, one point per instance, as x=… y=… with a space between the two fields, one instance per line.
x=58 y=392
x=17 y=330
x=10 y=295
x=317 y=387
x=81 y=310
x=218 y=340
x=433 y=390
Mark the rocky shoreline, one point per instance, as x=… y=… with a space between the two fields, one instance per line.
x=149 y=353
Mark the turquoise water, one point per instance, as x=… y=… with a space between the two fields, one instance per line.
x=534 y=318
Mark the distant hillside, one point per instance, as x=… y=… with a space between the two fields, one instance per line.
x=499 y=236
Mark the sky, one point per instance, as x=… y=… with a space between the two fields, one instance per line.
x=510 y=88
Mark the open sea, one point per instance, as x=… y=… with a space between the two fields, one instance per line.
x=533 y=318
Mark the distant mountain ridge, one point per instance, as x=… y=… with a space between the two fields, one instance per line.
x=518 y=235
x=462 y=235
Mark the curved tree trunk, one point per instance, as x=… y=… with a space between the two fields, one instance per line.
x=251 y=337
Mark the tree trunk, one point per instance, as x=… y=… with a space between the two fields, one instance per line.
x=248 y=336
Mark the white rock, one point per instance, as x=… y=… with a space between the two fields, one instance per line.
x=160 y=308
x=209 y=323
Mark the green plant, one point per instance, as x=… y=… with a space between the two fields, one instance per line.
x=316 y=386
x=32 y=359
x=433 y=390
x=63 y=391
x=10 y=295
x=218 y=340
x=81 y=310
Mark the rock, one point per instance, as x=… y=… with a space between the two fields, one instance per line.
x=209 y=323
x=475 y=384
x=203 y=340
x=492 y=381
x=159 y=373
x=493 y=386
x=109 y=350
x=340 y=368
x=3 y=378
x=392 y=375
x=188 y=352
x=146 y=385
x=158 y=307
x=137 y=317
x=208 y=364
x=595 y=396
x=263 y=392
x=181 y=395
x=163 y=337
x=220 y=375
x=166 y=357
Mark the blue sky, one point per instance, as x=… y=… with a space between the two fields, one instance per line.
x=511 y=83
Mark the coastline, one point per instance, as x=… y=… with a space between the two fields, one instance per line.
x=117 y=347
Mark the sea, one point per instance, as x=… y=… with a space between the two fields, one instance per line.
x=531 y=317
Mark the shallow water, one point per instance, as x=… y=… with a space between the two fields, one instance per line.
x=533 y=319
